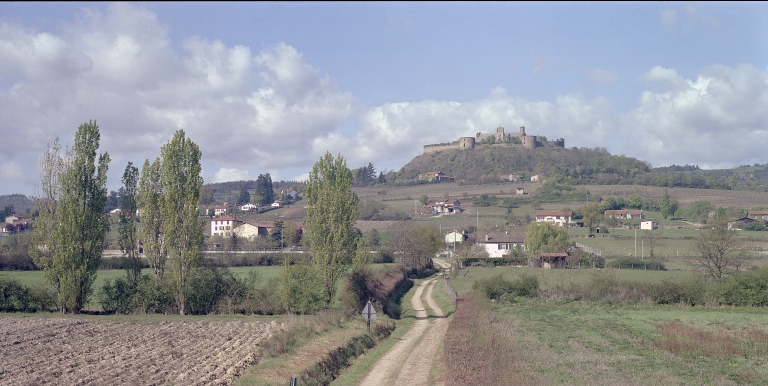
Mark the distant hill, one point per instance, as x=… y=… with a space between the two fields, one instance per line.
x=21 y=204
x=576 y=166
x=489 y=164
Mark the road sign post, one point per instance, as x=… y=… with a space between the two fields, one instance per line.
x=369 y=313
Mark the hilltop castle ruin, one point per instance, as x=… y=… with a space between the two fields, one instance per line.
x=492 y=139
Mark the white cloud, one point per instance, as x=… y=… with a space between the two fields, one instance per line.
x=246 y=111
x=11 y=172
x=231 y=174
x=599 y=75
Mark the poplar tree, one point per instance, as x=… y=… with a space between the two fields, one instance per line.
x=329 y=223
x=70 y=231
x=149 y=201
x=180 y=205
x=128 y=240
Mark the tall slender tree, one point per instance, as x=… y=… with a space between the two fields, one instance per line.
x=128 y=231
x=183 y=232
x=265 y=189
x=71 y=231
x=149 y=200
x=329 y=223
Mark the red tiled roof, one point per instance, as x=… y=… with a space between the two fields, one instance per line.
x=757 y=213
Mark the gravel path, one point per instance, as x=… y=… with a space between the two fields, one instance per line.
x=408 y=362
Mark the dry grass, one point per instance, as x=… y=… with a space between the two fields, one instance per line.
x=479 y=352
x=687 y=341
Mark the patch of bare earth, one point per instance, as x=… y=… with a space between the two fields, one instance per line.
x=38 y=351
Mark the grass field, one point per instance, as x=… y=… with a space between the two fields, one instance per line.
x=464 y=278
x=584 y=344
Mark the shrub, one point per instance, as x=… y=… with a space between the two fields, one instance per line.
x=691 y=292
x=746 y=289
x=498 y=288
x=635 y=263
x=209 y=286
x=360 y=286
x=15 y=297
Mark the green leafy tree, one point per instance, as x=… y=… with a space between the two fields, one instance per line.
x=206 y=195
x=592 y=215
x=545 y=237
x=128 y=240
x=330 y=221
x=244 y=197
x=423 y=199
x=667 y=205
x=373 y=239
x=277 y=233
x=149 y=200
x=183 y=232
x=265 y=189
x=70 y=230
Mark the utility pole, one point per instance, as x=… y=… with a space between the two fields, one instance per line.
x=635 y=242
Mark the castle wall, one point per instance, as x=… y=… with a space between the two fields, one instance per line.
x=435 y=149
x=466 y=143
x=528 y=141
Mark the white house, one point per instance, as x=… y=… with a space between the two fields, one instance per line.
x=562 y=219
x=277 y=204
x=249 y=207
x=499 y=244
x=536 y=178
x=454 y=236
x=649 y=225
x=115 y=211
x=519 y=191
x=446 y=206
x=754 y=214
x=251 y=229
x=224 y=226
x=511 y=177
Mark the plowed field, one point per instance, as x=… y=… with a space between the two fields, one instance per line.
x=37 y=351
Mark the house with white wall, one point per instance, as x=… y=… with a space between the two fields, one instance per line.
x=500 y=244
x=562 y=219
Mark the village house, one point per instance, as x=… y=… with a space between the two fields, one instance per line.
x=499 y=244
x=536 y=178
x=519 y=191
x=249 y=207
x=648 y=225
x=454 y=236
x=252 y=229
x=218 y=210
x=277 y=204
x=435 y=176
x=446 y=206
x=11 y=219
x=562 y=219
x=6 y=229
x=624 y=214
x=224 y=225
x=758 y=214
x=510 y=177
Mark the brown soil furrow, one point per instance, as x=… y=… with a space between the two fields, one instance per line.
x=82 y=352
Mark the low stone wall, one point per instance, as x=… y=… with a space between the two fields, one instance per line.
x=433 y=149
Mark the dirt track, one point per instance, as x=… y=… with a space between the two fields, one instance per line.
x=73 y=351
x=408 y=362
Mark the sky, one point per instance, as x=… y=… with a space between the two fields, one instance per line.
x=271 y=87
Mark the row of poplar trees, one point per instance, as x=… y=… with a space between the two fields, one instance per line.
x=70 y=230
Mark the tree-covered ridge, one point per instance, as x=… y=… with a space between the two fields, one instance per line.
x=576 y=166
x=485 y=165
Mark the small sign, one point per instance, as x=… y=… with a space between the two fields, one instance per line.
x=369 y=313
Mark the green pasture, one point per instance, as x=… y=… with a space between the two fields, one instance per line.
x=463 y=279
x=581 y=343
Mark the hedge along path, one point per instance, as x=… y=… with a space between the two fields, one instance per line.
x=410 y=359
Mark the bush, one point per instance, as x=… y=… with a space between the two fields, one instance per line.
x=16 y=262
x=746 y=289
x=635 y=263
x=498 y=288
x=210 y=286
x=691 y=292
x=16 y=297
x=360 y=286
x=300 y=289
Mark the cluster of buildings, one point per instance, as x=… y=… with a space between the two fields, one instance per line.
x=14 y=224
